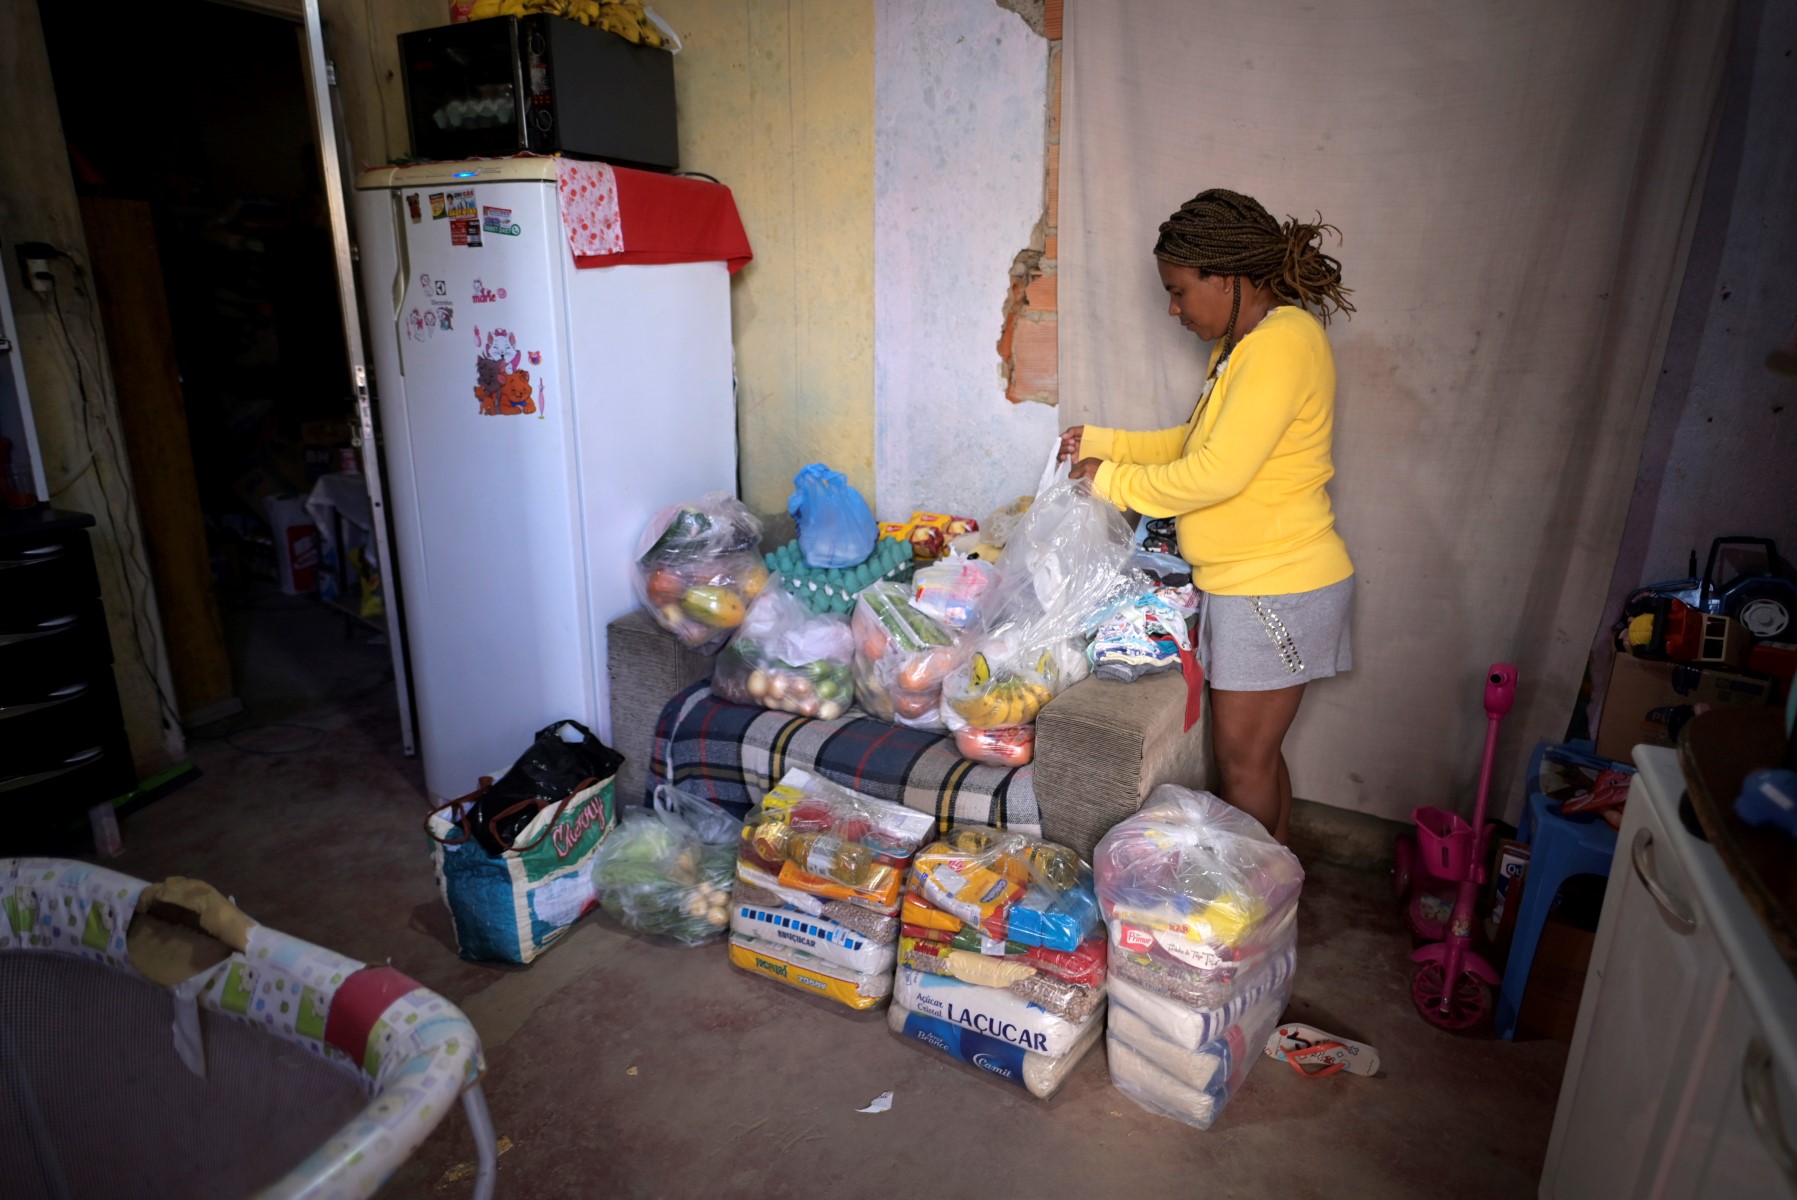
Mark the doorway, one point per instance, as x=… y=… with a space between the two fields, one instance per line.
x=192 y=146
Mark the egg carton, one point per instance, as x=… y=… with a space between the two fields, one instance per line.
x=833 y=590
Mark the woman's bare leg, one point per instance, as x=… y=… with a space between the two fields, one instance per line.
x=1248 y=731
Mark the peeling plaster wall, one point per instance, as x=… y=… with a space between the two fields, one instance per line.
x=960 y=96
x=776 y=100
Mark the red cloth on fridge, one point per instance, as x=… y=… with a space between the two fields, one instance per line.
x=615 y=215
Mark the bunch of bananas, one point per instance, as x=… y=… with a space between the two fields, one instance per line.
x=998 y=703
x=625 y=18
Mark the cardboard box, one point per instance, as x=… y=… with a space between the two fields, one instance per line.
x=1649 y=700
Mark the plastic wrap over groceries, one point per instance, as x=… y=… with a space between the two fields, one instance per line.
x=814 y=837
x=901 y=657
x=1202 y=910
x=819 y=871
x=1194 y=880
x=788 y=658
x=1007 y=886
x=667 y=870
x=1039 y=1074
x=698 y=568
x=1000 y=939
x=836 y=528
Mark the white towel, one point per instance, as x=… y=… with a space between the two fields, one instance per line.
x=994 y=1012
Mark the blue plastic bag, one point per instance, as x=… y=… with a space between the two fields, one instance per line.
x=836 y=528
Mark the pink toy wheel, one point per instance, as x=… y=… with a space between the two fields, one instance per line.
x=1403 y=864
x=1467 y=1004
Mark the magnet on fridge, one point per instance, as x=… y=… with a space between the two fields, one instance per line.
x=439 y=206
x=413 y=208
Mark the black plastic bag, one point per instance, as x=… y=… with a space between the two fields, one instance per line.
x=546 y=774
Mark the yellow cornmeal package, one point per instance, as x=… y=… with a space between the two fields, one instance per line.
x=817 y=983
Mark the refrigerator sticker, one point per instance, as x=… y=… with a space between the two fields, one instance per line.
x=461 y=204
x=464 y=231
x=415 y=326
x=414 y=209
x=536 y=358
x=486 y=295
x=499 y=220
x=502 y=389
x=439 y=206
x=433 y=287
x=445 y=314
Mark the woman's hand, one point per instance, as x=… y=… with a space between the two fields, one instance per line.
x=1070 y=443
x=1087 y=468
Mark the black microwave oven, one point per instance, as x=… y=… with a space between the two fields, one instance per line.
x=539 y=83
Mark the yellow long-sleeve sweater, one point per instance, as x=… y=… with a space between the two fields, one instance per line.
x=1245 y=476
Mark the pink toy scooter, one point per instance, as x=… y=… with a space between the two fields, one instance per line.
x=1452 y=985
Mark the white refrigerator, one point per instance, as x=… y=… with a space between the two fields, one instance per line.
x=534 y=415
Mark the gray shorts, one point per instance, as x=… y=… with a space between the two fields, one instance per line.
x=1260 y=643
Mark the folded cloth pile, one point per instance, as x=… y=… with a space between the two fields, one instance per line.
x=818 y=876
x=1201 y=905
x=1001 y=956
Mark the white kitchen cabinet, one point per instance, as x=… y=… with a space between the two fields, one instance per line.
x=1678 y=993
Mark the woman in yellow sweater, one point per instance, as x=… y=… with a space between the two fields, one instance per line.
x=1245 y=477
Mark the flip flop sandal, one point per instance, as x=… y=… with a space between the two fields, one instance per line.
x=1314 y=1054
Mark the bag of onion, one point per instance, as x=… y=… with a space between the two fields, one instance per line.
x=785 y=657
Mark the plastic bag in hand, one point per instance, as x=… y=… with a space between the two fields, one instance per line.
x=901 y=657
x=836 y=528
x=786 y=657
x=698 y=568
x=655 y=875
x=1189 y=875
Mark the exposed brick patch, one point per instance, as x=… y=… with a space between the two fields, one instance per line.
x=1035 y=361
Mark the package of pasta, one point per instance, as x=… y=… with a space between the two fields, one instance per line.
x=820 y=937
x=970 y=966
x=1194 y=877
x=1041 y=1075
x=799 y=970
x=1191 y=1028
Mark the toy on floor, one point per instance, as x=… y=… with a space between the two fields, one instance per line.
x=1452 y=985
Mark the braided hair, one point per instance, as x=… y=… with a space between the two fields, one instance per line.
x=1219 y=232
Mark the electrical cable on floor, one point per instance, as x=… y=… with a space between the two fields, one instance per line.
x=127 y=556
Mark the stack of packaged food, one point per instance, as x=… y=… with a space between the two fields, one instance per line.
x=1001 y=956
x=1201 y=905
x=819 y=871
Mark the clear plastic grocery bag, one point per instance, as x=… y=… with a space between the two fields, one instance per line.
x=786 y=657
x=901 y=657
x=1191 y=880
x=655 y=874
x=836 y=528
x=698 y=568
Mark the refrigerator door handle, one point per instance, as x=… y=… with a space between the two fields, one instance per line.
x=402 y=274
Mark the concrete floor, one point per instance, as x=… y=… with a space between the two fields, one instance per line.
x=622 y=1068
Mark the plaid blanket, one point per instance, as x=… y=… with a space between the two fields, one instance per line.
x=733 y=753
